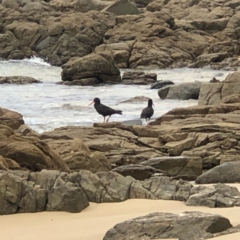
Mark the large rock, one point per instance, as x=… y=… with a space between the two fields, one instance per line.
x=187 y=225
x=120 y=52
x=17 y=195
x=209 y=132
x=178 y=167
x=137 y=171
x=122 y=7
x=59 y=191
x=10 y=118
x=67 y=198
x=167 y=188
x=52 y=35
x=77 y=155
x=10 y=4
x=18 y=80
x=136 y=99
x=142 y=3
x=29 y=152
x=206 y=59
x=161 y=83
x=8 y=45
x=138 y=78
x=34 y=192
x=121 y=144
x=21 y=148
x=33 y=6
x=169 y=34
x=7 y=163
x=203 y=114
x=78 y=5
x=228 y=172
x=3 y=164
x=113 y=187
x=235 y=98
x=52 y=190
x=94 y=66
x=219 y=195
x=213 y=93
x=183 y=91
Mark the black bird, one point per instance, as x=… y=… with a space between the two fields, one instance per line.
x=104 y=110
x=148 y=111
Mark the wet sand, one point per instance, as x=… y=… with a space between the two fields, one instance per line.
x=93 y=222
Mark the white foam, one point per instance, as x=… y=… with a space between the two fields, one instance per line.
x=32 y=60
x=37 y=60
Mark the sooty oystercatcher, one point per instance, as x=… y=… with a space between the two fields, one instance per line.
x=104 y=110
x=148 y=111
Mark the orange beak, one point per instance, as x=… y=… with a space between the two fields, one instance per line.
x=90 y=103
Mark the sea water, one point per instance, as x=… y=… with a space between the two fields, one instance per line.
x=48 y=105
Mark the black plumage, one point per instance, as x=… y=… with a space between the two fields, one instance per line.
x=148 y=111
x=104 y=110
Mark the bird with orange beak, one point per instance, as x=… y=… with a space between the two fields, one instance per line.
x=104 y=110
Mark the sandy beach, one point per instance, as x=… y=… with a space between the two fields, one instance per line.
x=93 y=222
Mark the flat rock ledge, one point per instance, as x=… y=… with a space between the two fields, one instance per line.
x=187 y=225
x=138 y=78
x=52 y=190
x=18 y=80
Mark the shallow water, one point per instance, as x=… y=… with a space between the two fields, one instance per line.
x=48 y=105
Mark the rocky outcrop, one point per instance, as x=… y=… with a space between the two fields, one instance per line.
x=77 y=155
x=208 y=132
x=224 y=173
x=7 y=163
x=10 y=118
x=51 y=35
x=161 y=41
x=91 y=70
x=142 y=3
x=235 y=98
x=187 y=225
x=183 y=91
x=154 y=37
x=136 y=99
x=122 y=7
x=18 y=80
x=137 y=171
x=206 y=59
x=78 y=5
x=161 y=83
x=20 y=147
x=121 y=144
x=120 y=52
x=219 y=195
x=28 y=152
x=51 y=190
x=214 y=93
x=180 y=167
x=138 y=78
x=35 y=192
x=205 y=114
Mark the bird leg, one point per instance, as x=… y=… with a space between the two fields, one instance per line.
x=148 y=123
x=108 y=118
x=104 y=120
